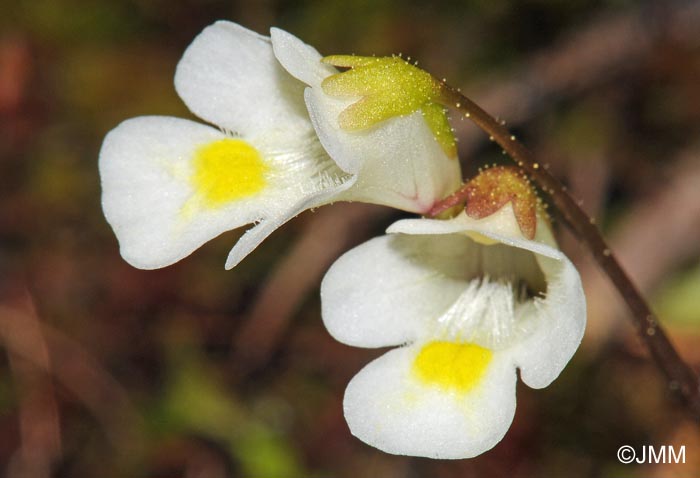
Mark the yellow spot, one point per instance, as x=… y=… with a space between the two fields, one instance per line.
x=227 y=170
x=452 y=366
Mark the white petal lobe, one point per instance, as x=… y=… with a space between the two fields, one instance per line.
x=385 y=291
x=561 y=322
x=148 y=196
x=388 y=408
x=500 y=227
x=230 y=77
x=302 y=61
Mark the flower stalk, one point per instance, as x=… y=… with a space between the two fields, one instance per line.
x=680 y=376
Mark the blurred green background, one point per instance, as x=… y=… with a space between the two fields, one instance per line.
x=192 y=371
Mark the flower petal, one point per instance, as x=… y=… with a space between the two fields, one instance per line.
x=302 y=61
x=230 y=77
x=561 y=322
x=163 y=204
x=390 y=408
x=388 y=290
x=145 y=170
x=499 y=227
x=254 y=236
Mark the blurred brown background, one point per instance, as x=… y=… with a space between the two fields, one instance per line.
x=192 y=371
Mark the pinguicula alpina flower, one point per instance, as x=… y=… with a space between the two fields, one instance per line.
x=467 y=302
x=171 y=184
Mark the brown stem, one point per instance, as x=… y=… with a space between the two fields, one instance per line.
x=680 y=375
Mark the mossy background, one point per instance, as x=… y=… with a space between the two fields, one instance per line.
x=192 y=371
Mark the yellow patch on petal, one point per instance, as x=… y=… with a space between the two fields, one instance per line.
x=227 y=170
x=452 y=366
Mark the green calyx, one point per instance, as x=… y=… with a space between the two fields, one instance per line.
x=388 y=87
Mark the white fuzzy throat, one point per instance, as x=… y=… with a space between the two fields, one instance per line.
x=490 y=313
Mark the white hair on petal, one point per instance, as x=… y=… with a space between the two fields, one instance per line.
x=491 y=313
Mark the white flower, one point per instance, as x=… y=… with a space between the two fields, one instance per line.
x=468 y=301
x=169 y=185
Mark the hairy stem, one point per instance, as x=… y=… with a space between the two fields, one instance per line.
x=680 y=376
